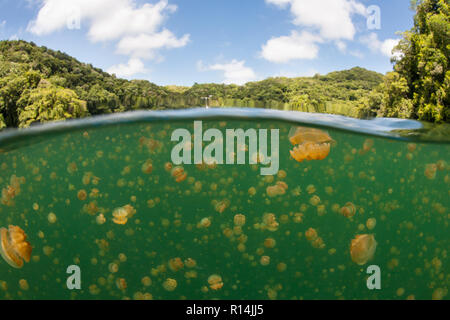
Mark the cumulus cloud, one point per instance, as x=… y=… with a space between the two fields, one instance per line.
x=325 y=20
x=137 y=29
x=332 y=18
x=145 y=45
x=384 y=47
x=295 y=46
x=235 y=72
x=134 y=66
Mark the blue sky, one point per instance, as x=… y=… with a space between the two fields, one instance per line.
x=232 y=41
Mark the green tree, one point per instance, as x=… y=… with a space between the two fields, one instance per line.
x=422 y=60
x=2 y=122
x=50 y=104
x=394 y=101
x=11 y=89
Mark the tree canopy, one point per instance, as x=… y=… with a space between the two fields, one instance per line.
x=421 y=77
x=39 y=85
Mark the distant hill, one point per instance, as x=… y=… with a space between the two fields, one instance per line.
x=38 y=84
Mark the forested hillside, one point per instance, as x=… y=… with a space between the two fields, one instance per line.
x=38 y=85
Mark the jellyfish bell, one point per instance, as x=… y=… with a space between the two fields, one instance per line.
x=362 y=248
x=299 y=135
x=14 y=248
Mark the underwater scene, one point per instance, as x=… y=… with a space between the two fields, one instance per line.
x=139 y=210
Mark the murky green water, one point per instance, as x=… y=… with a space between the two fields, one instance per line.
x=63 y=186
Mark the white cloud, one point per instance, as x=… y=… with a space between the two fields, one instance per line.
x=356 y=53
x=384 y=47
x=341 y=45
x=134 y=66
x=331 y=18
x=293 y=47
x=321 y=21
x=145 y=45
x=2 y=24
x=138 y=29
x=235 y=72
x=107 y=20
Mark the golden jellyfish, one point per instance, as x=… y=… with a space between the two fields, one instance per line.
x=318 y=243
x=220 y=206
x=190 y=263
x=265 y=260
x=281 y=267
x=430 y=171
x=215 y=282
x=168 y=166
x=52 y=218
x=121 y=284
x=270 y=222
x=130 y=210
x=314 y=201
x=179 y=174
x=439 y=294
x=239 y=220
x=122 y=257
x=82 y=195
x=441 y=165
x=367 y=145
x=204 y=223
x=282 y=174
x=14 y=246
x=147 y=167
x=282 y=185
x=412 y=147
x=175 y=264
x=371 y=223
x=310 y=189
x=362 y=248
x=146 y=281
x=310 y=144
x=113 y=267
x=349 y=210
x=23 y=284
x=12 y=190
x=311 y=234
x=120 y=216
x=100 y=219
x=298 y=217
x=170 y=284
x=276 y=190
x=270 y=243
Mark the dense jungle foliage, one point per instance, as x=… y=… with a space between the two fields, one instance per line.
x=39 y=85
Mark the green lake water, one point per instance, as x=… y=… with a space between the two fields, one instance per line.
x=72 y=178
